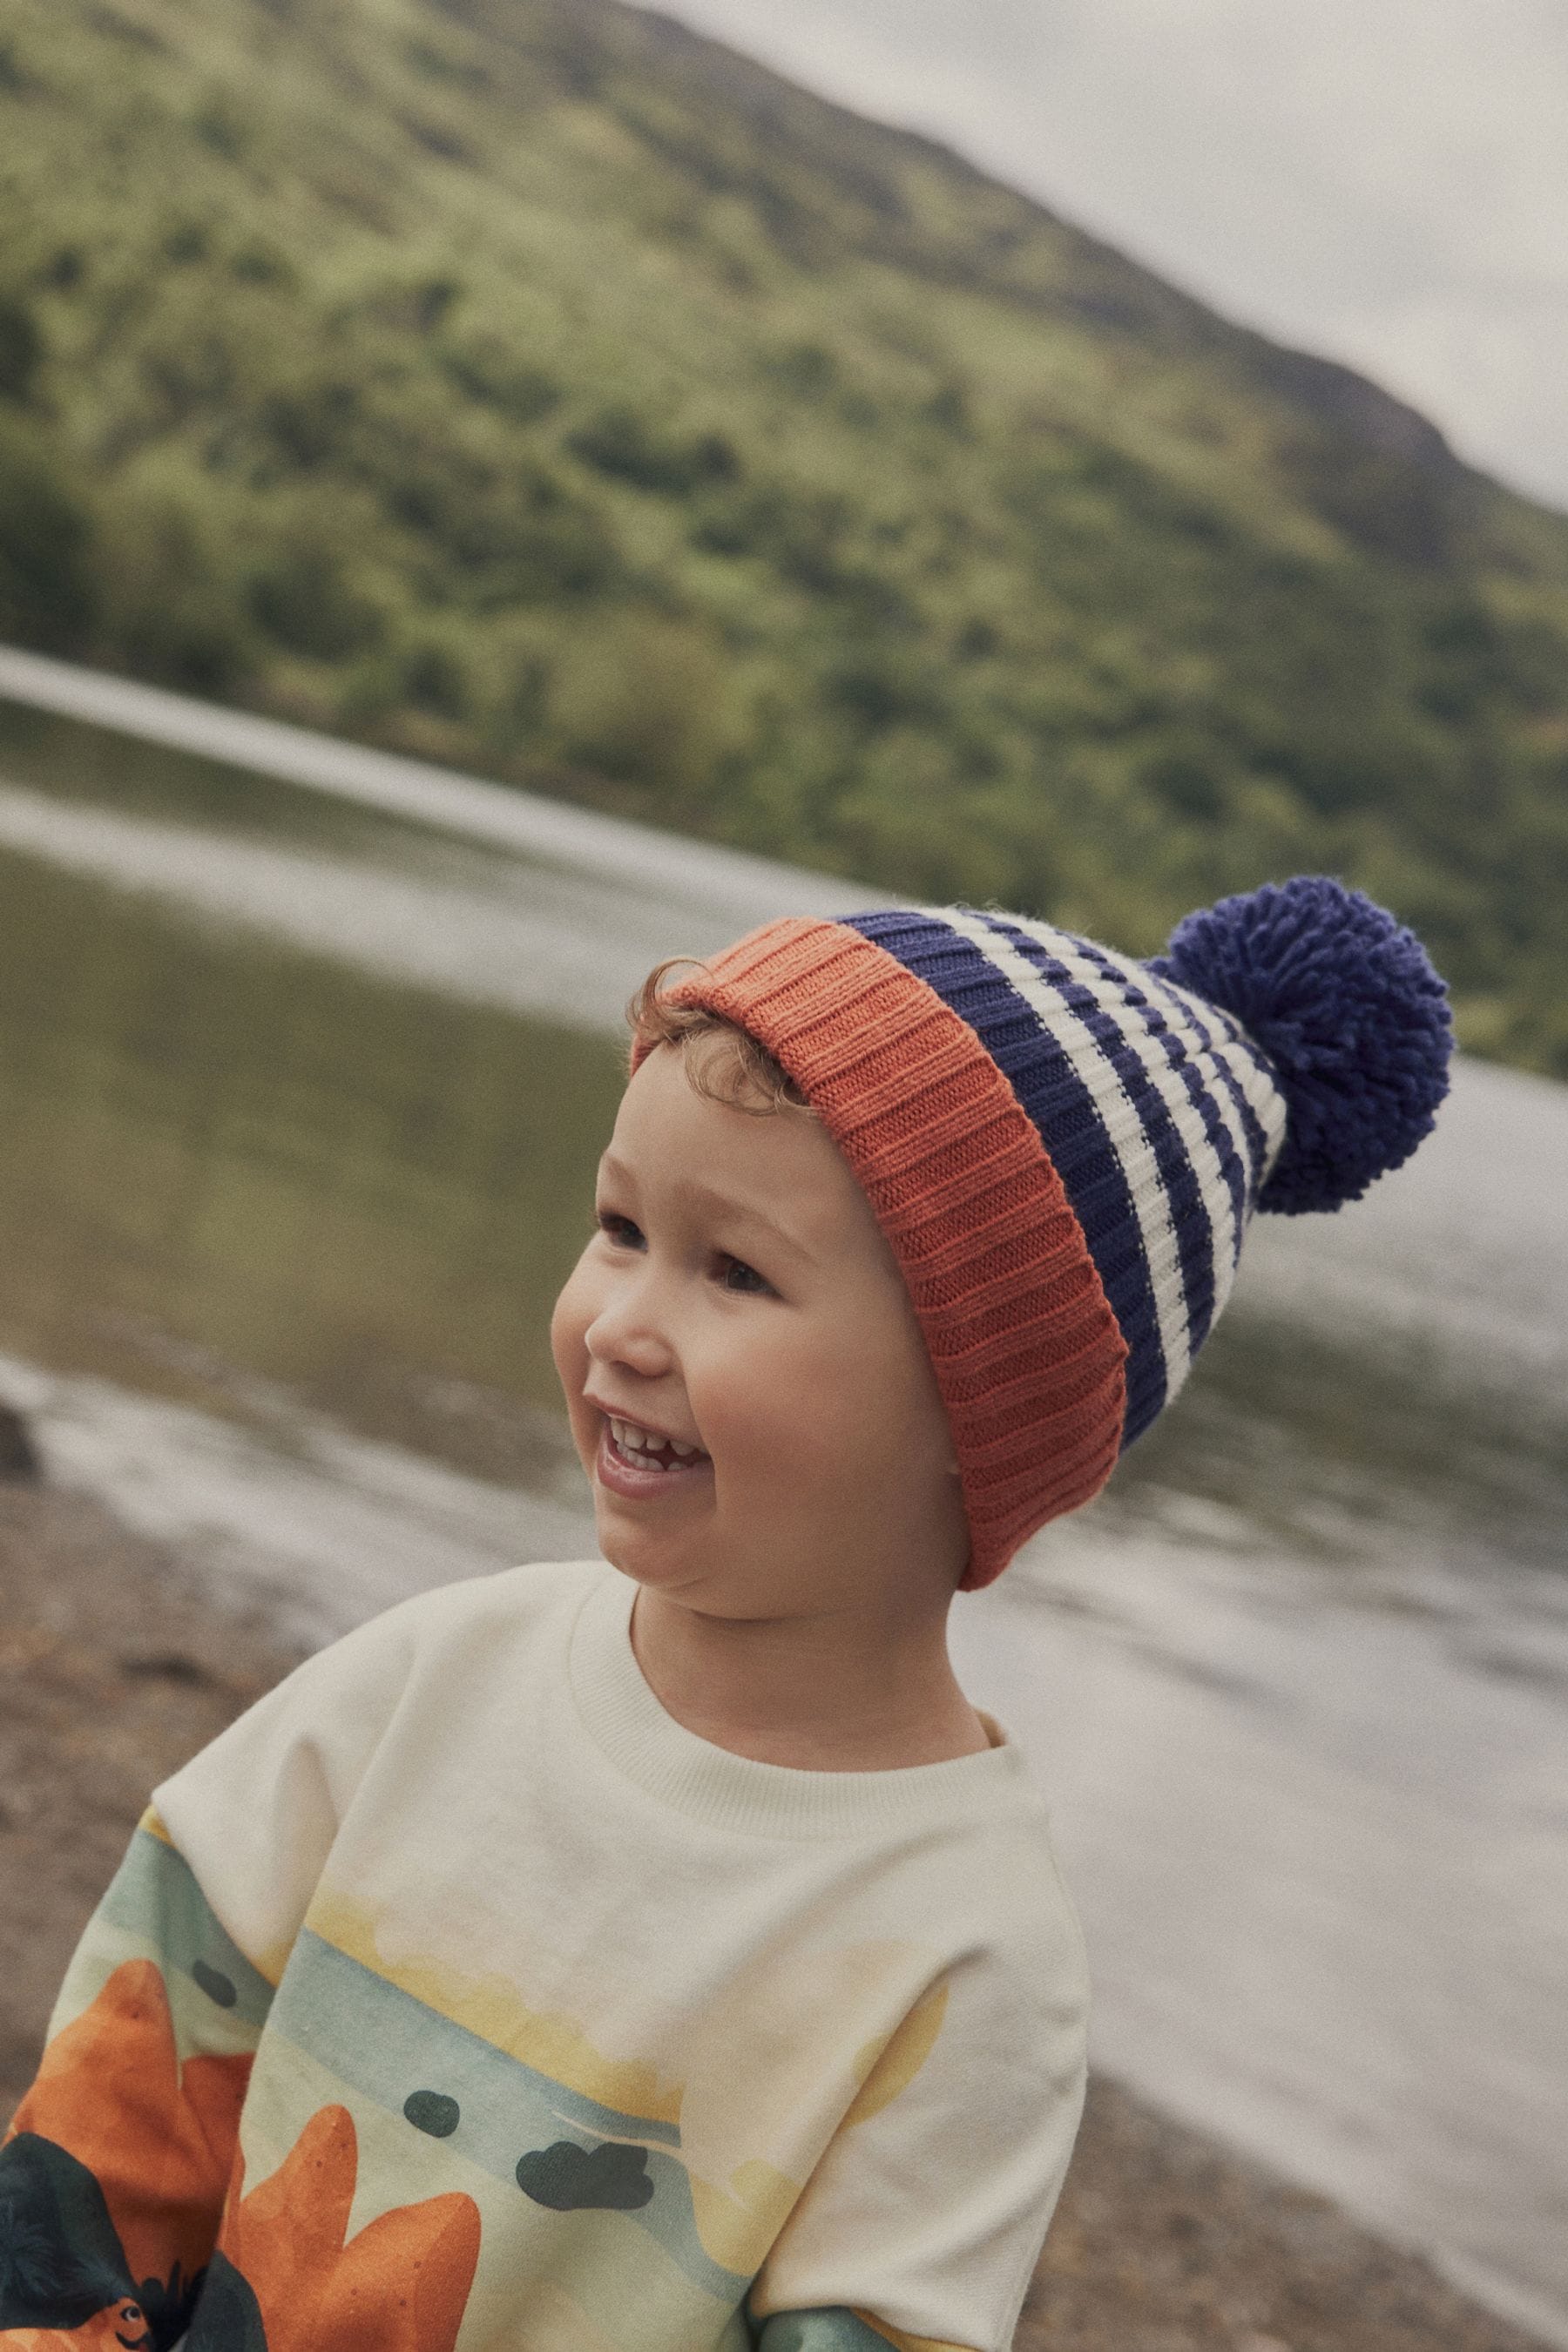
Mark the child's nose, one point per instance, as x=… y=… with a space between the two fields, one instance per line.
x=628 y=1330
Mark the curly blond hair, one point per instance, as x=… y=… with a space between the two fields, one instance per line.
x=724 y=1063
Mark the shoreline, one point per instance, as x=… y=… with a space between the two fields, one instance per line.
x=115 y=1666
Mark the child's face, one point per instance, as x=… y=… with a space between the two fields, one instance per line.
x=739 y=1297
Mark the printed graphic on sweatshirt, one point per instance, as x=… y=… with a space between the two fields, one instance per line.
x=288 y=2276
x=682 y=2163
x=543 y=2160
x=400 y=2176
x=115 y=2164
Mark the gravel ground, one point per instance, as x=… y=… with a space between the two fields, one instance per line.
x=113 y=1669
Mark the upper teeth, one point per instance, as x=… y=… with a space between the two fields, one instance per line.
x=638 y=1441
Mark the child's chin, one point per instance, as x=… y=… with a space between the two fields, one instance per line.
x=640 y=1552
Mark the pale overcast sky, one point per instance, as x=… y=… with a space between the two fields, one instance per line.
x=1382 y=181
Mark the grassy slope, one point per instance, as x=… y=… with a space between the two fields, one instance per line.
x=532 y=383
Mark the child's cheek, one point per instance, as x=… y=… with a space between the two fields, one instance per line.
x=770 y=1428
x=568 y=1336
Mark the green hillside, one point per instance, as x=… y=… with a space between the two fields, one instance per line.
x=532 y=385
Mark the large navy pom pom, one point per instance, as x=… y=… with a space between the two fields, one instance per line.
x=1343 y=1001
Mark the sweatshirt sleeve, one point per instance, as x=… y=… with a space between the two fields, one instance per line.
x=114 y=2169
x=255 y=1814
x=922 y=2223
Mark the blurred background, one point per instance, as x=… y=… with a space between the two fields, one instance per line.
x=494 y=492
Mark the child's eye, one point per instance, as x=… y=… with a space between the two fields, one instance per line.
x=740 y=1276
x=620 y=1230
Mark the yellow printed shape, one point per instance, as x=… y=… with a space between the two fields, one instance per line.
x=786 y=2044
x=737 y=2226
x=893 y=2064
x=492 y=2008
x=153 y=1822
x=769 y=2073
x=905 y=2343
x=272 y=1962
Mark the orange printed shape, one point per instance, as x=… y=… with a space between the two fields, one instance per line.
x=399 y=2286
x=123 y=2325
x=286 y=2235
x=159 y=2143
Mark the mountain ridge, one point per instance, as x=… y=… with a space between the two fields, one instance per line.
x=543 y=386
x=1335 y=389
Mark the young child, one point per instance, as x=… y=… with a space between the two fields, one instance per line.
x=665 y=1955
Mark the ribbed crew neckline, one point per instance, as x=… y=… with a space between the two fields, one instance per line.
x=625 y=1719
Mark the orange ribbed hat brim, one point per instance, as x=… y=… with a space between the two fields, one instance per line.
x=1028 y=1356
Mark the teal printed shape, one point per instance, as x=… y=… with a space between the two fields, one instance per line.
x=514 y=2122
x=820 y=2331
x=155 y=1898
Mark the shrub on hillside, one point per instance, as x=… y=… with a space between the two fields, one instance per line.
x=618 y=442
x=46 y=576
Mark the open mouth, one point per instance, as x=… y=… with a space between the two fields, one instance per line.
x=632 y=1447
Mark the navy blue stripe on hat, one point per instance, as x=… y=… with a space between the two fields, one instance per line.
x=1052 y=1089
x=1178 y=1054
x=1051 y=954
x=1222 y=1047
x=1106 y=1081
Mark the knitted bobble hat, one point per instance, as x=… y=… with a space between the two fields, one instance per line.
x=1064 y=1146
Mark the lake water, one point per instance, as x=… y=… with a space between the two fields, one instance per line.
x=304 y=1064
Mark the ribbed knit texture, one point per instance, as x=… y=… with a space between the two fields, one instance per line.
x=1028 y=1354
x=1065 y=1146
x=1155 y=1107
x=740 y=1794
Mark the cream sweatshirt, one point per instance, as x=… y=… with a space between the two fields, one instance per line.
x=458 y=1999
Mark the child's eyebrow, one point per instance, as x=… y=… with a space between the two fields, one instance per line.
x=705 y=1197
